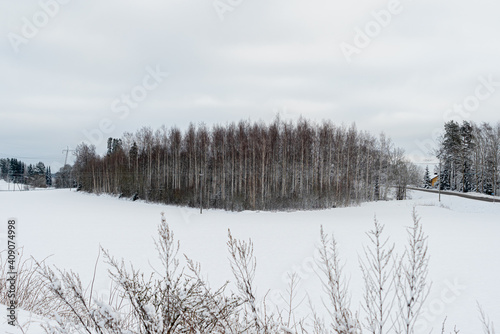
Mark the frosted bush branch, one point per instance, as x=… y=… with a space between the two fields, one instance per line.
x=178 y=299
x=336 y=287
x=378 y=274
x=488 y=326
x=32 y=295
x=411 y=278
x=243 y=266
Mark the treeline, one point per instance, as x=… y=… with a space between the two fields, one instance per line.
x=16 y=171
x=470 y=156
x=248 y=166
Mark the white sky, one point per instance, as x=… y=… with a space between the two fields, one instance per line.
x=264 y=57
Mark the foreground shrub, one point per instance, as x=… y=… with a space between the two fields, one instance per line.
x=177 y=299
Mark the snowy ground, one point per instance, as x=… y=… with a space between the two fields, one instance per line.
x=463 y=242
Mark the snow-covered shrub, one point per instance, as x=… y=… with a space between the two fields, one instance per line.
x=177 y=299
x=31 y=293
x=335 y=285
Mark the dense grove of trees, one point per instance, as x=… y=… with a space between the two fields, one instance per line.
x=16 y=171
x=470 y=156
x=248 y=166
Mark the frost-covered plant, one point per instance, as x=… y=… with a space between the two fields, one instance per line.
x=243 y=266
x=31 y=293
x=173 y=301
x=335 y=285
x=378 y=275
x=488 y=326
x=79 y=313
x=177 y=299
x=412 y=287
x=254 y=316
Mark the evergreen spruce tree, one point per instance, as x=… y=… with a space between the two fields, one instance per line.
x=427 y=178
x=467 y=149
x=16 y=171
x=4 y=168
x=444 y=179
x=48 y=177
x=31 y=171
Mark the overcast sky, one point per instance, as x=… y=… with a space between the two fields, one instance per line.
x=68 y=67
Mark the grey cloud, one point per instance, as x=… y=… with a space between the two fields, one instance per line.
x=264 y=57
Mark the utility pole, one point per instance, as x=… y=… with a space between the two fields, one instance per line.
x=439 y=178
x=439 y=153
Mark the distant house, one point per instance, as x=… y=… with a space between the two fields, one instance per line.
x=434 y=180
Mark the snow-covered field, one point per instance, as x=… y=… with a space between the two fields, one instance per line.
x=463 y=234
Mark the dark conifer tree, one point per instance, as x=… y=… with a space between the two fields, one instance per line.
x=427 y=178
x=48 y=177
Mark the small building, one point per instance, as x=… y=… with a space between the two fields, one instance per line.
x=434 y=180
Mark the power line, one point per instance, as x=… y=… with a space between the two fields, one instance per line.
x=9 y=156
x=67 y=150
